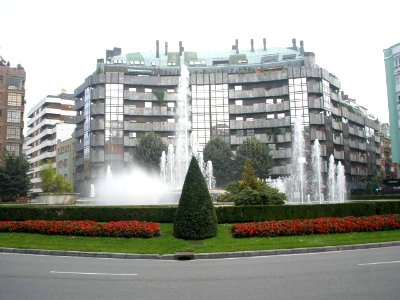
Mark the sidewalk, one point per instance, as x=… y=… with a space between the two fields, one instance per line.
x=190 y=255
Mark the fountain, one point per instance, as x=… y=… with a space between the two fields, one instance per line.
x=175 y=163
x=297 y=188
x=139 y=188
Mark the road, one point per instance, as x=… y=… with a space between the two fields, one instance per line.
x=356 y=274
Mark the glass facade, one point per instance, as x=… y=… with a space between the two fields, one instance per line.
x=326 y=94
x=210 y=112
x=114 y=118
x=298 y=96
x=86 y=124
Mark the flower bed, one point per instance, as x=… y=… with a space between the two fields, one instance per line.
x=126 y=229
x=316 y=226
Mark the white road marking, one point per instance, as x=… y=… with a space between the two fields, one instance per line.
x=381 y=263
x=85 y=273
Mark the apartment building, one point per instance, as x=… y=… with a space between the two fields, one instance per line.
x=235 y=95
x=392 y=68
x=12 y=106
x=50 y=120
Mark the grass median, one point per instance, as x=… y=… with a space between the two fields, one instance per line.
x=168 y=244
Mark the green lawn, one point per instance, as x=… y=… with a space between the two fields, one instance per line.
x=168 y=244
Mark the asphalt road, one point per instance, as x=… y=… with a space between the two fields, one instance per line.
x=355 y=274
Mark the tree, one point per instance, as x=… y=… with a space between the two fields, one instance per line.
x=221 y=156
x=258 y=154
x=53 y=182
x=14 y=178
x=148 y=152
x=195 y=217
x=251 y=191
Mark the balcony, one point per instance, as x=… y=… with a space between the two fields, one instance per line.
x=259 y=93
x=154 y=111
x=130 y=142
x=97 y=109
x=260 y=123
x=97 y=140
x=337 y=125
x=259 y=108
x=97 y=124
x=317 y=119
x=154 y=126
x=282 y=153
x=314 y=87
x=316 y=103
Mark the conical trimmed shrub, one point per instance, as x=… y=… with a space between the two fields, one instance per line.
x=195 y=217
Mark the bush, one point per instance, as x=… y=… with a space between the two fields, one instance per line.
x=127 y=229
x=316 y=226
x=251 y=191
x=53 y=182
x=195 y=217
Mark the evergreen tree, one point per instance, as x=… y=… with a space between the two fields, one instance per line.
x=221 y=156
x=259 y=156
x=148 y=152
x=14 y=178
x=195 y=217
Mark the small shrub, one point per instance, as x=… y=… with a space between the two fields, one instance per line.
x=251 y=191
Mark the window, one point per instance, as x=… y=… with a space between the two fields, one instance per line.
x=171 y=120
x=280 y=116
x=270 y=116
x=13 y=133
x=13 y=116
x=15 y=83
x=239 y=102
x=13 y=149
x=147 y=90
x=171 y=104
x=148 y=105
x=238 y=87
x=132 y=89
x=269 y=101
x=169 y=91
x=132 y=134
x=14 y=99
x=239 y=118
x=249 y=119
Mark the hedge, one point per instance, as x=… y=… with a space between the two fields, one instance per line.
x=225 y=214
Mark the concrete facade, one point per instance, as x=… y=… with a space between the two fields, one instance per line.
x=234 y=95
x=50 y=120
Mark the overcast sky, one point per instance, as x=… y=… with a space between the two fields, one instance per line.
x=58 y=42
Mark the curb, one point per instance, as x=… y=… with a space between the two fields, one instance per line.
x=190 y=256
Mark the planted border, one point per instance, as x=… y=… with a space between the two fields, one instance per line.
x=126 y=229
x=316 y=226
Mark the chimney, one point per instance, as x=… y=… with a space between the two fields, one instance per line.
x=237 y=46
x=180 y=48
x=100 y=66
x=301 y=47
x=252 y=45
x=117 y=51
x=166 y=48
x=265 y=44
x=157 y=49
x=294 y=44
